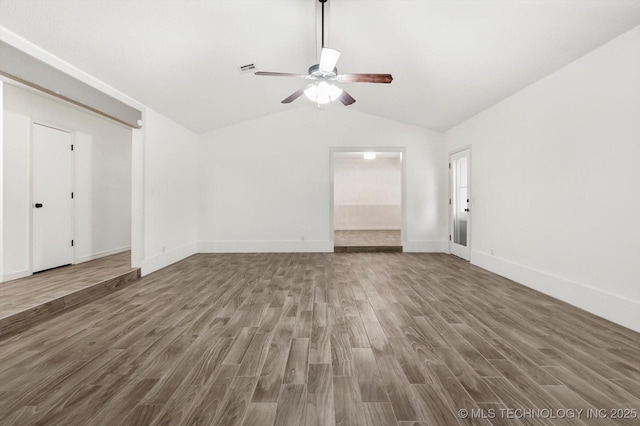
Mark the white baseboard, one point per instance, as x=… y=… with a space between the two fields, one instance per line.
x=174 y=255
x=265 y=247
x=414 y=246
x=16 y=275
x=613 y=307
x=101 y=254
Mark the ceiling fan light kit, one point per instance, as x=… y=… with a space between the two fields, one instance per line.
x=323 y=90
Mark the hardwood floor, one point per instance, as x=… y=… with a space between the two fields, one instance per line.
x=367 y=241
x=320 y=339
x=26 y=301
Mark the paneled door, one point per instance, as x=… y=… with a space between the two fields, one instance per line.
x=459 y=164
x=52 y=167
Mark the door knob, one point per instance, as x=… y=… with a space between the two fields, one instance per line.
x=466 y=210
x=38 y=205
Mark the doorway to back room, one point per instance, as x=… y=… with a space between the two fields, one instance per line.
x=367 y=201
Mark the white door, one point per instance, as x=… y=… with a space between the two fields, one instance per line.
x=52 y=203
x=459 y=163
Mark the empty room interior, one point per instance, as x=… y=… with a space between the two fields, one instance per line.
x=319 y=212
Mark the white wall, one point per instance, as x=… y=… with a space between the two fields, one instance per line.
x=367 y=194
x=265 y=183
x=555 y=175
x=102 y=178
x=171 y=192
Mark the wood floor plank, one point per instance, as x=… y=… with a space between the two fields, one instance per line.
x=398 y=390
x=357 y=333
x=348 y=403
x=216 y=388
x=236 y=402
x=260 y=414
x=430 y=406
x=341 y=355
x=379 y=414
x=272 y=373
x=297 y=362
x=255 y=355
x=291 y=405
x=320 y=346
x=378 y=339
x=369 y=378
x=320 y=409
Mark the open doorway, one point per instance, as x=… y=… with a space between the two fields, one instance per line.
x=367 y=201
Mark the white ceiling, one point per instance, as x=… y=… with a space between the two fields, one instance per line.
x=449 y=59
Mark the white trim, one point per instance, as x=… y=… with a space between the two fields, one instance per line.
x=613 y=307
x=170 y=257
x=2 y=180
x=16 y=275
x=265 y=247
x=427 y=246
x=403 y=161
x=138 y=137
x=101 y=254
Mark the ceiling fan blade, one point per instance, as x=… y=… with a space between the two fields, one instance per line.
x=346 y=98
x=365 y=78
x=292 y=97
x=328 y=59
x=281 y=74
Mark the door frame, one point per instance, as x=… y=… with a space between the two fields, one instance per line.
x=403 y=183
x=73 y=186
x=470 y=192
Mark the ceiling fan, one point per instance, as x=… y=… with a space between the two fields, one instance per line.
x=321 y=90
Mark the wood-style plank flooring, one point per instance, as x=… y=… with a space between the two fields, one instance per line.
x=319 y=339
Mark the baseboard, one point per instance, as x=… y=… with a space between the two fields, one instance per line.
x=417 y=246
x=101 y=254
x=16 y=275
x=613 y=307
x=165 y=259
x=265 y=247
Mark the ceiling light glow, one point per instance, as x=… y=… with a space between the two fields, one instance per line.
x=369 y=155
x=322 y=92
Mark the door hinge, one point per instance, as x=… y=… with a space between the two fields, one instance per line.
x=71 y=147
x=449 y=165
x=71 y=243
x=449 y=237
x=72 y=195
x=449 y=201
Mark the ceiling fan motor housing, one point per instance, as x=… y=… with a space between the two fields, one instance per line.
x=315 y=70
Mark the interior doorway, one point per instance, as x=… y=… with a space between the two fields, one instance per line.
x=52 y=168
x=367 y=202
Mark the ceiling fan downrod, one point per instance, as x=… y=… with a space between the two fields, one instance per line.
x=322 y=29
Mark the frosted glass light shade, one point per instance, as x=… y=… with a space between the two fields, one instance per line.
x=322 y=93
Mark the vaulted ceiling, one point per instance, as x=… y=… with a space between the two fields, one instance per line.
x=450 y=59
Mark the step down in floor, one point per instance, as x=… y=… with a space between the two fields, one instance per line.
x=367 y=249
x=19 y=321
